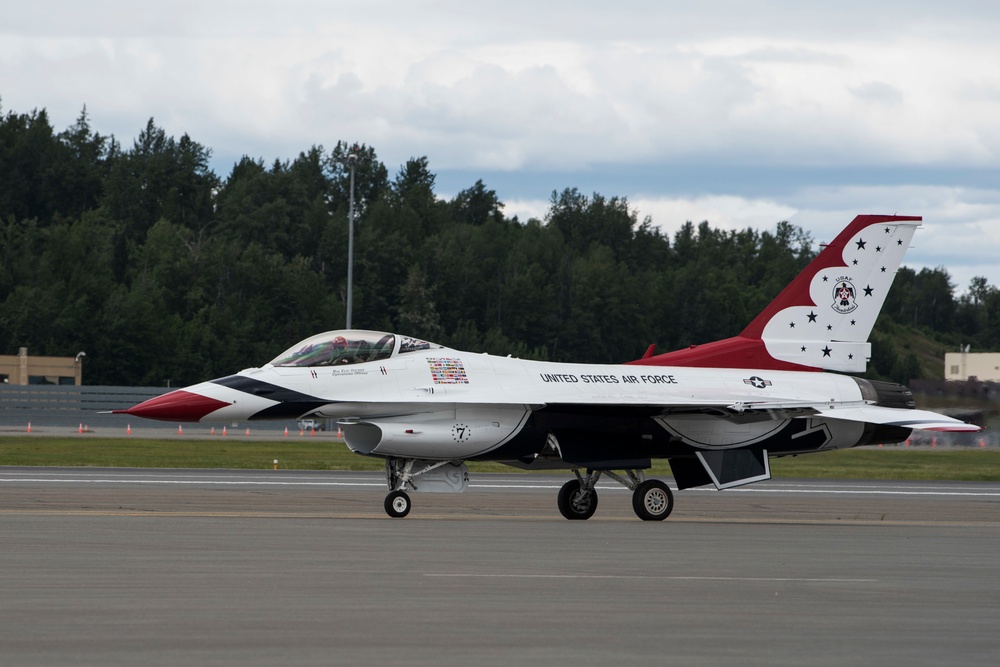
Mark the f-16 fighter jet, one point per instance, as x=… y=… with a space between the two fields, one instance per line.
x=715 y=412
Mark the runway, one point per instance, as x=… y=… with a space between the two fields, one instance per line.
x=160 y=567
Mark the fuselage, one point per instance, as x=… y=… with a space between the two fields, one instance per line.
x=414 y=398
x=444 y=376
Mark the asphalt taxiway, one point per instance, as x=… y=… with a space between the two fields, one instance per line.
x=158 y=567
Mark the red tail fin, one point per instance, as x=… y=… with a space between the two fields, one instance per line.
x=823 y=318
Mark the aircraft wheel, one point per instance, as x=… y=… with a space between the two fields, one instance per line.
x=652 y=500
x=397 y=504
x=575 y=503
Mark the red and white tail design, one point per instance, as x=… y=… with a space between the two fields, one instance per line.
x=823 y=318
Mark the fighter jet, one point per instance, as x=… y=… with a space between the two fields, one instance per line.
x=715 y=412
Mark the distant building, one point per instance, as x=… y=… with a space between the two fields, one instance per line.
x=23 y=369
x=960 y=366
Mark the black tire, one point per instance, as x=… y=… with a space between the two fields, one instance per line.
x=397 y=504
x=574 y=503
x=652 y=500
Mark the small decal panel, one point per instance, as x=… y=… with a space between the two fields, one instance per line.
x=446 y=370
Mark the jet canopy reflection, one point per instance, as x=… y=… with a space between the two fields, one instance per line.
x=348 y=346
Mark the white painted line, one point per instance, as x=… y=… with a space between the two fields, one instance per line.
x=873 y=492
x=213 y=481
x=644 y=577
x=187 y=482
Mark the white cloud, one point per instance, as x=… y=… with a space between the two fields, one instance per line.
x=559 y=85
x=721 y=211
x=488 y=89
x=525 y=209
x=960 y=231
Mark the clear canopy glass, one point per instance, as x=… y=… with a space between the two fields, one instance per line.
x=343 y=347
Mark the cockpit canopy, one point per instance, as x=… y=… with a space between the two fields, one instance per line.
x=348 y=346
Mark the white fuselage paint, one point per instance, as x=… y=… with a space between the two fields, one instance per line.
x=443 y=403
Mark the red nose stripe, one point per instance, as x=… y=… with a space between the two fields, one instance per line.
x=177 y=406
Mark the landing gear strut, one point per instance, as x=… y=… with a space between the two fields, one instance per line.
x=652 y=500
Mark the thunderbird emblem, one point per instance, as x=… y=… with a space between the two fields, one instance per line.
x=843 y=297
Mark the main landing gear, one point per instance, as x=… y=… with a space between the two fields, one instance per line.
x=652 y=500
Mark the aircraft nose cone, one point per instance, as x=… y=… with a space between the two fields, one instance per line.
x=177 y=406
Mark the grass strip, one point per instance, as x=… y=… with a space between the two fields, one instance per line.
x=897 y=463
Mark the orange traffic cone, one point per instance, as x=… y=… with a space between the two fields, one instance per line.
x=223 y=430
x=29 y=427
x=79 y=429
x=128 y=429
x=248 y=430
x=286 y=431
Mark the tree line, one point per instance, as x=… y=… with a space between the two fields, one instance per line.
x=161 y=270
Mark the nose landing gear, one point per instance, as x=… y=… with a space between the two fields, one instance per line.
x=397 y=504
x=435 y=476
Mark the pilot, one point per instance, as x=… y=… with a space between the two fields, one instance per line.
x=326 y=353
x=338 y=351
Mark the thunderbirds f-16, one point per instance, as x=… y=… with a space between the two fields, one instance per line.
x=716 y=411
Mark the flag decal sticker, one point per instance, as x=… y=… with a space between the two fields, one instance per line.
x=445 y=370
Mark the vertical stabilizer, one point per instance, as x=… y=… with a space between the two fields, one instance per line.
x=823 y=318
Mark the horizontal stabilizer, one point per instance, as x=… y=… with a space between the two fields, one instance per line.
x=901 y=417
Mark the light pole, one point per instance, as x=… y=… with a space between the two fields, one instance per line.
x=350 y=161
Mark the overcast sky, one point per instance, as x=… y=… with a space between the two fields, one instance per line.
x=707 y=110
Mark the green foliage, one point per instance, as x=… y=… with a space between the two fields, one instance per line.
x=160 y=270
x=970 y=465
x=324 y=453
